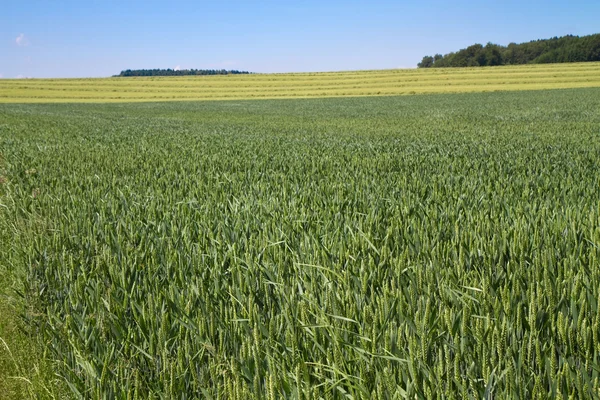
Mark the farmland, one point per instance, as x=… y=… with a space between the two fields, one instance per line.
x=439 y=246
x=303 y=85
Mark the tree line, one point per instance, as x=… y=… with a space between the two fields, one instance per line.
x=563 y=49
x=178 y=72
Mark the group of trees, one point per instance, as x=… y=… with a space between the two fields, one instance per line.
x=555 y=50
x=178 y=72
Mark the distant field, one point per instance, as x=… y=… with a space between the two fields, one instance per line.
x=302 y=85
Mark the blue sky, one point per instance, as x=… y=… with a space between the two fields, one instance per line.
x=93 y=38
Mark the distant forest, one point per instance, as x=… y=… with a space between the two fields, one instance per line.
x=178 y=72
x=556 y=50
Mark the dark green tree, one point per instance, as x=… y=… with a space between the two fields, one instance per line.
x=554 y=50
x=426 y=62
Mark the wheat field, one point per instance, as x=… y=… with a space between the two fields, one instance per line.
x=440 y=246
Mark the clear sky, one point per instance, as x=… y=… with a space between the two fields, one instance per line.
x=92 y=38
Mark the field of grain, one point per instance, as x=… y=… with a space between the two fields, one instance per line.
x=303 y=85
x=440 y=246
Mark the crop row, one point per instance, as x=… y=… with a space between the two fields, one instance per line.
x=356 y=83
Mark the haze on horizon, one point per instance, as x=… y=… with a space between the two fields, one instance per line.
x=100 y=38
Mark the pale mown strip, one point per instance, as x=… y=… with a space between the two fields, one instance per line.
x=303 y=85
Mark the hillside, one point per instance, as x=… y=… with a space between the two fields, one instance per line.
x=564 y=49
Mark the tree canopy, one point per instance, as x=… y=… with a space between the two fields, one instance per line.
x=178 y=72
x=555 y=50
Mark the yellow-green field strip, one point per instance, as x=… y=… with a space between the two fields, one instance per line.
x=302 y=85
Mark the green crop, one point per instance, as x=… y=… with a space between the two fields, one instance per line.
x=441 y=246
